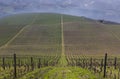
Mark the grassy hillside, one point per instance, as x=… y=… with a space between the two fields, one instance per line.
x=40 y=33
x=51 y=46
x=18 y=19
x=91 y=38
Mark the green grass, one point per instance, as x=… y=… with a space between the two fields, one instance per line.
x=60 y=73
x=62 y=62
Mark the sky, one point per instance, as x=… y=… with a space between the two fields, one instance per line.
x=97 y=9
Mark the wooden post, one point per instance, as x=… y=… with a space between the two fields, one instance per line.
x=27 y=67
x=19 y=63
x=115 y=63
x=105 y=64
x=83 y=63
x=39 y=63
x=32 y=64
x=44 y=62
x=15 y=73
x=91 y=63
x=9 y=65
x=3 y=60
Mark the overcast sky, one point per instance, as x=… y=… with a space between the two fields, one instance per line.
x=98 y=9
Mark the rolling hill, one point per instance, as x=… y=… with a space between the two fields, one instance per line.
x=40 y=34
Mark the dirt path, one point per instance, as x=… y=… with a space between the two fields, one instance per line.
x=62 y=61
x=62 y=34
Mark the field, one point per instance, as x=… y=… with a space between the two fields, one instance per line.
x=91 y=38
x=36 y=38
x=54 y=46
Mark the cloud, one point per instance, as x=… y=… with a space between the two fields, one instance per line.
x=99 y=9
x=89 y=3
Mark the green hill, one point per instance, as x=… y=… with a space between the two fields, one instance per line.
x=40 y=34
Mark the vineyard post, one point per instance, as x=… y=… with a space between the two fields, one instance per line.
x=105 y=63
x=32 y=65
x=80 y=64
x=3 y=63
x=90 y=63
x=83 y=63
x=15 y=73
x=115 y=63
x=44 y=63
x=19 y=63
x=39 y=63
x=9 y=65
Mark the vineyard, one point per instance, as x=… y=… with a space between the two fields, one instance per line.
x=51 y=46
x=48 y=67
